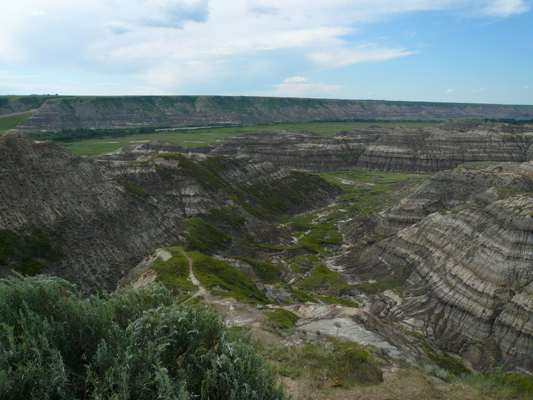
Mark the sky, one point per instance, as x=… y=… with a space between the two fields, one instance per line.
x=468 y=51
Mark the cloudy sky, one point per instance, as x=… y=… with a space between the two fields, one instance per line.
x=428 y=50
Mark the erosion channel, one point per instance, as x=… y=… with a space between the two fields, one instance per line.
x=415 y=244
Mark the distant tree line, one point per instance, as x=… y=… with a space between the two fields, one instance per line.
x=511 y=121
x=74 y=135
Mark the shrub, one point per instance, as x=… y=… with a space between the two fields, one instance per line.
x=55 y=344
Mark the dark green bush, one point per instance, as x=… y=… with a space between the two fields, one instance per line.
x=56 y=344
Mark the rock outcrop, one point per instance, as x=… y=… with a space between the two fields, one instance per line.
x=104 y=217
x=423 y=151
x=302 y=151
x=446 y=146
x=465 y=257
x=138 y=111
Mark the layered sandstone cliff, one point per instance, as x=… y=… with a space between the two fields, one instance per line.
x=102 y=218
x=446 y=146
x=137 y=111
x=466 y=254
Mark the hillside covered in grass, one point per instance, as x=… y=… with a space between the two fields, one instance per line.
x=163 y=111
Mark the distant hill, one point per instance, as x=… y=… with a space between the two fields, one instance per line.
x=57 y=112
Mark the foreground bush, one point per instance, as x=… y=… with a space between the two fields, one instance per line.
x=56 y=344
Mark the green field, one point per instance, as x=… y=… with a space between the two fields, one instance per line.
x=7 y=123
x=205 y=136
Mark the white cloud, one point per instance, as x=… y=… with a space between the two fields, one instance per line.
x=505 y=8
x=258 y=10
x=450 y=90
x=480 y=90
x=295 y=79
x=339 y=56
x=526 y=87
x=173 y=44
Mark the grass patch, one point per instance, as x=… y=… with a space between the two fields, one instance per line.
x=174 y=273
x=317 y=239
x=11 y=122
x=498 y=381
x=24 y=253
x=225 y=281
x=366 y=192
x=265 y=272
x=388 y=283
x=203 y=137
x=447 y=362
x=281 y=319
x=230 y=215
x=204 y=236
x=299 y=295
x=321 y=276
x=325 y=362
x=134 y=190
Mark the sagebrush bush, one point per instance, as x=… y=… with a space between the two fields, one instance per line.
x=56 y=344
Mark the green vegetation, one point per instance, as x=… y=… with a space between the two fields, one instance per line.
x=510 y=385
x=230 y=216
x=281 y=318
x=79 y=134
x=224 y=280
x=205 y=177
x=174 y=273
x=134 y=190
x=388 y=282
x=55 y=344
x=25 y=252
x=445 y=361
x=337 y=300
x=367 y=192
x=204 y=236
x=265 y=272
x=325 y=362
x=202 y=137
x=320 y=235
x=10 y=122
x=321 y=276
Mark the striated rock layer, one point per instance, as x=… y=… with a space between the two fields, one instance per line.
x=302 y=151
x=137 y=111
x=446 y=146
x=427 y=150
x=104 y=217
x=473 y=262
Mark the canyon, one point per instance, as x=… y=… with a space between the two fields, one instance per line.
x=343 y=218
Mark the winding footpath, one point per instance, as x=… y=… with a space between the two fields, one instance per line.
x=202 y=291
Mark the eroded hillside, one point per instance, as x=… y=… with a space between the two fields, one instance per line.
x=142 y=111
x=414 y=265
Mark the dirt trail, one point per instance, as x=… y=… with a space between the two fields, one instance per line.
x=202 y=291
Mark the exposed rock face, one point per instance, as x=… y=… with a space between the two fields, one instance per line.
x=131 y=111
x=302 y=151
x=474 y=262
x=446 y=146
x=105 y=217
x=131 y=153
x=402 y=149
x=427 y=150
x=98 y=226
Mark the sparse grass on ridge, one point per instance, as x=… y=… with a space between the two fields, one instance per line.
x=205 y=136
x=10 y=122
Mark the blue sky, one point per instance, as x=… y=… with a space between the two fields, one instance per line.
x=476 y=51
